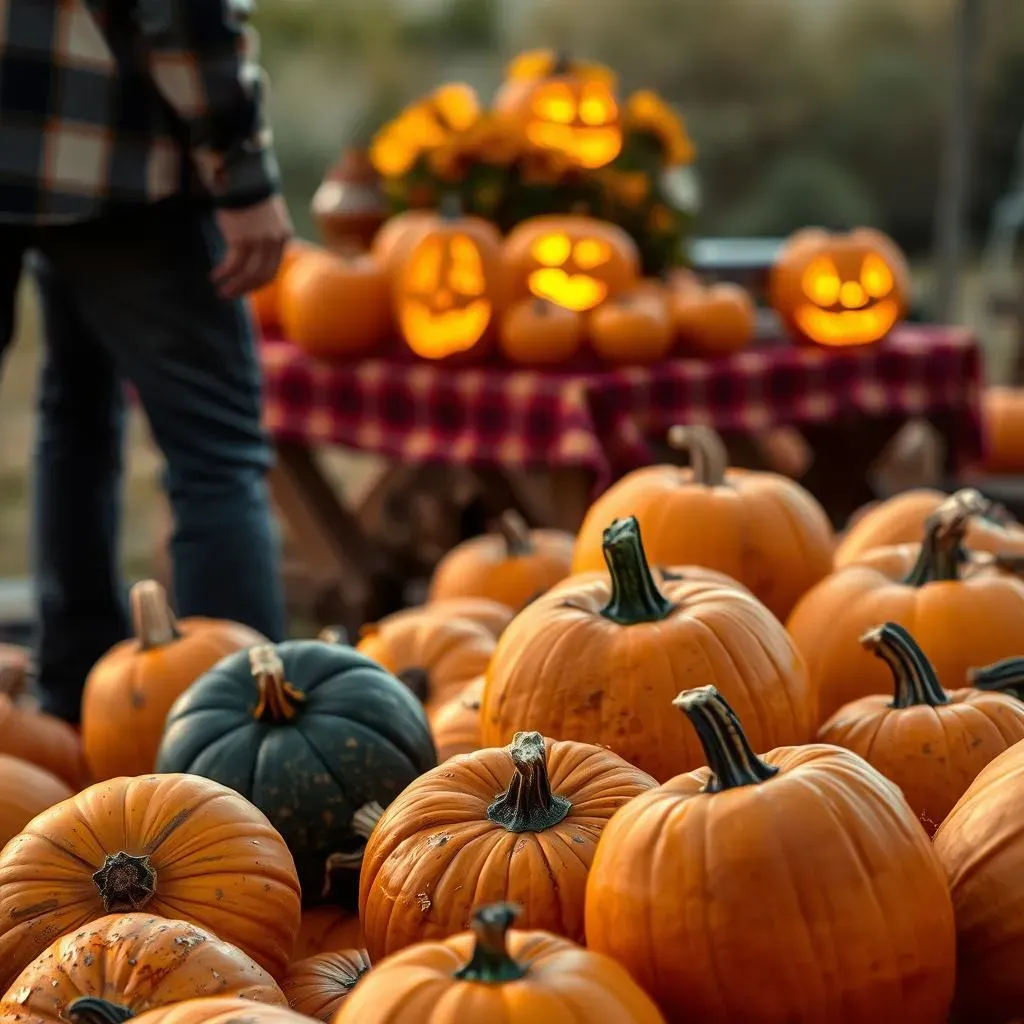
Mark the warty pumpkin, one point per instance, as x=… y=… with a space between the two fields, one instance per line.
x=930 y=742
x=176 y=846
x=599 y=660
x=492 y=615
x=25 y=791
x=131 y=963
x=43 y=740
x=794 y=869
x=215 y=1011
x=318 y=986
x=959 y=620
x=310 y=733
x=132 y=687
x=512 y=566
x=763 y=529
x=494 y=974
x=494 y=824
x=456 y=725
x=325 y=930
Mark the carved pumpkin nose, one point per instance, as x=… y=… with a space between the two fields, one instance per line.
x=444 y=299
x=852 y=295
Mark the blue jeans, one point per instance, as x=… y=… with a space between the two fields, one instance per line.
x=130 y=299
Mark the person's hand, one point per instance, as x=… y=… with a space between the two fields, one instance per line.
x=255 y=238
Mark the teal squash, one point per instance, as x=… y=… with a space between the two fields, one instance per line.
x=317 y=736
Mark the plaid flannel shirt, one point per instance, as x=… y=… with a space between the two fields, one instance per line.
x=110 y=103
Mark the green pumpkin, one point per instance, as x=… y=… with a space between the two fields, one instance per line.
x=315 y=735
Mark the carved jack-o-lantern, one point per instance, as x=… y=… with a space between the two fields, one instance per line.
x=565 y=106
x=839 y=290
x=573 y=262
x=448 y=287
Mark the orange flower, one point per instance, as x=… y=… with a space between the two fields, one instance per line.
x=662 y=220
x=533 y=65
x=631 y=188
x=646 y=111
x=487 y=141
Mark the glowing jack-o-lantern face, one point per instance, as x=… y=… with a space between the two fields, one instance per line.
x=572 y=262
x=839 y=290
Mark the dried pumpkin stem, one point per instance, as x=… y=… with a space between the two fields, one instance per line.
x=491 y=962
x=515 y=533
x=942 y=550
x=277 y=700
x=731 y=760
x=1006 y=676
x=709 y=457
x=528 y=805
x=125 y=882
x=635 y=596
x=914 y=680
x=93 y=1010
x=152 y=619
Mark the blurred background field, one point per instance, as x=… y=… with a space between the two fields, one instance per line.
x=803 y=111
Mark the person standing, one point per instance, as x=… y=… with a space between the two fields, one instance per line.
x=135 y=160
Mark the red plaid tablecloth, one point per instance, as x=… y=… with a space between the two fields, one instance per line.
x=519 y=419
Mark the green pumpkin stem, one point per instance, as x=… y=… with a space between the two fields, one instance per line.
x=153 y=621
x=709 y=457
x=528 y=805
x=635 y=596
x=942 y=549
x=515 y=533
x=491 y=962
x=277 y=700
x=914 y=680
x=93 y=1010
x=1006 y=676
x=732 y=761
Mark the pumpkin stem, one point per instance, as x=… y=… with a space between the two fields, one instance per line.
x=562 y=64
x=635 y=596
x=913 y=676
x=942 y=551
x=709 y=458
x=125 y=882
x=364 y=821
x=730 y=758
x=491 y=962
x=1006 y=676
x=152 y=619
x=528 y=805
x=1013 y=564
x=334 y=635
x=515 y=533
x=93 y=1010
x=277 y=700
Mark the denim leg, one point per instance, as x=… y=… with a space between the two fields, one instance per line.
x=77 y=500
x=12 y=248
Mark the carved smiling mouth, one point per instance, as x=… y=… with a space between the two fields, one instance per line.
x=454 y=330
x=577 y=292
x=848 y=326
x=591 y=147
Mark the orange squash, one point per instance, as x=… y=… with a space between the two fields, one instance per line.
x=492 y=615
x=633 y=329
x=326 y=930
x=266 y=301
x=132 y=687
x=1002 y=415
x=716 y=320
x=216 y=1011
x=456 y=725
x=536 y=332
x=25 y=791
x=319 y=985
x=43 y=740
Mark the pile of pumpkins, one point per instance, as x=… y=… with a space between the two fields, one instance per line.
x=703 y=761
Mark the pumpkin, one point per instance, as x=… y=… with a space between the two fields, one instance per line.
x=981 y=844
x=762 y=529
x=326 y=930
x=132 y=687
x=391 y=242
x=210 y=1011
x=661 y=575
x=317 y=986
x=310 y=732
x=839 y=290
x=176 y=846
x=573 y=261
x=634 y=328
x=266 y=301
x=960 y=619
x=448 y=287
x=25 y=791
x=930 y=742
x=132 y=963
x=494 y=974
x=494 y=824
x=713 y=321
x=1002 y=417
x=512 y=566
x=43 y=740
x=15 y=667
x=456 y=725
x=536 y=332
x=597 y=661
x=336 y=306
x=794 y=869
x=492 y=615
x=434 y=656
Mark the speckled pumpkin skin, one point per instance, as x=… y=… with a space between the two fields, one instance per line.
x=359 y=737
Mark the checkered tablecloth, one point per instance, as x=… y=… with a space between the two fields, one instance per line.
x=518 y=419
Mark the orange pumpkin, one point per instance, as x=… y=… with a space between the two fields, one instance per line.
x=494 y=824
x=493 y=974
x=661 y=575
x=762 y=529
x=839 y=290
x=536 y=332
x=130 y=963
x=132 y=687
x=25 y=791
x=456 y=725
x=634 y=328
x=326 y=930
x=575 y=262
x=784 y=867
x=1002 y=415
x=42 y=740
x=392 y=240
x=178 y=846
x=492 y=615
x=512 y=566
x=15 y=666
x=930 y=742
x=216 y=1011
x=959 y=619
x=319 y=985
x=266 y=301
x=713 y=321
x=600 y=659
